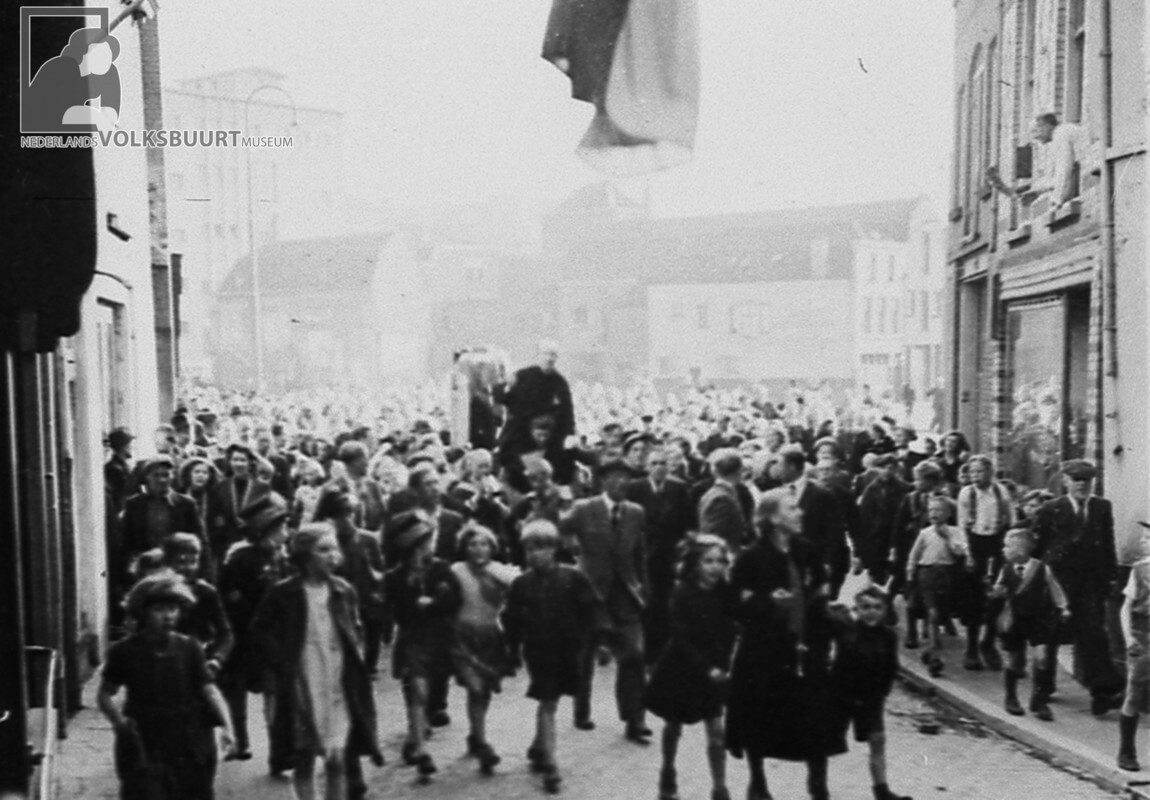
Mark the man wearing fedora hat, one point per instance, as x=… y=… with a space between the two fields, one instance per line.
x=609 y=534
x=250 y=570
x=1076 y=539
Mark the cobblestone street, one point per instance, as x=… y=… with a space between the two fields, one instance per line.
x=961 y=762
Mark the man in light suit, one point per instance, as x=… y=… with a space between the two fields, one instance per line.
x=1076 y=539
x=666 y=501
x=720 y=511
x=607 y=532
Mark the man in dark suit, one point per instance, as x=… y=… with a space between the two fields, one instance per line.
x=608 y=534
x=670 y=514
x=1076 y=539
x=721 y=510
x=535 y=391
x=823 y=523
x=877 y=509
x=372 y=502
x=155 y=513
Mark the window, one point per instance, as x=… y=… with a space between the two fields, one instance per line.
x=1075 y=59
x=868 y=315
x=874 y=269
x=894 y=316
x=924 y=310
x=891 y=269
x=882 y=315
x=702 y=319
x=112 y=342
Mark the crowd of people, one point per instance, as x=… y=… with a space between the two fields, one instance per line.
x=737 y=557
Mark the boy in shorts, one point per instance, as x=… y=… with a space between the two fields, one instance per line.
x=548 y=619
x=1135 y=619
x=864 y=672
x=1035 y=606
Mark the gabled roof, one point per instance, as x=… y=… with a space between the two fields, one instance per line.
x=330 y=264
x=729 y=248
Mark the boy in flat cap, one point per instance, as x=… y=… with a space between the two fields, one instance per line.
x=157 y=512
x=165 y=744
x=1076 y=539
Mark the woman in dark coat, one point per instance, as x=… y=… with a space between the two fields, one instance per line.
x=198 y=477
x=324 y=703
x=781 y=703
x=240 y=489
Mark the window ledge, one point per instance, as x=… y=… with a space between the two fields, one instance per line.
x=1067 y=212
x=1018 y=235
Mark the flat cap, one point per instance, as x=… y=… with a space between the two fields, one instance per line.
x=158 y=462
x=614 y=465
x=1079 y=469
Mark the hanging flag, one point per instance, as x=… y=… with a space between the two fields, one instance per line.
x=637 y=62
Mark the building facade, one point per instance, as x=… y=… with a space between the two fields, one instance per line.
x=704 y=299
x=1048 y=333
x=219 y=198
x=339 y=310
x=899 y=296
x=67 y=381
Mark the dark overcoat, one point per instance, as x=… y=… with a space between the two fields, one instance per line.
x=782 y=703
x=280 y=628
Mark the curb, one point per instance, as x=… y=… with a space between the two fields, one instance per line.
x=1095 y=765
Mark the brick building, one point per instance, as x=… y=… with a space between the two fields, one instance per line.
x=1048 y=334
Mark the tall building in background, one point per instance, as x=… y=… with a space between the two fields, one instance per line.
x=1047 y=243
x=210 y=209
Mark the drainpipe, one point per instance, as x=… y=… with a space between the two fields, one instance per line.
x=1109 y=272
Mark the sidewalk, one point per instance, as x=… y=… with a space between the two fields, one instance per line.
x=1075 y=738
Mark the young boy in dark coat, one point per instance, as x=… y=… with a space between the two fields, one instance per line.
x=165 y=745
x=549 y=618
x=205 y=621
x=864 y=670
x=1035 y=605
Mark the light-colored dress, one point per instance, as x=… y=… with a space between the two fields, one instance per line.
x=480 y=653
x=322 y=672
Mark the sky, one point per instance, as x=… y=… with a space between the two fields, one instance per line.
x=803 y=102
